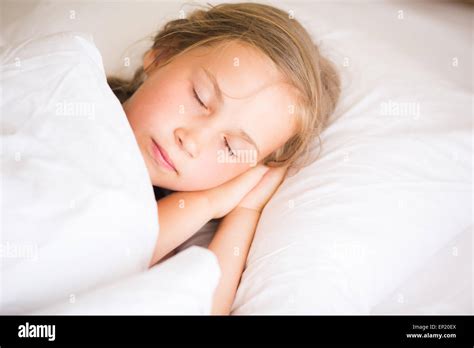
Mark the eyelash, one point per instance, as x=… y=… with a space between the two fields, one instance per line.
x=229 y=148
x=198 y=99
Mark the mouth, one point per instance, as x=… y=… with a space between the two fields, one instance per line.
x=161 y=157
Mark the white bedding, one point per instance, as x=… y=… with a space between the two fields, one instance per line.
x=181 y=285
x=78 y=210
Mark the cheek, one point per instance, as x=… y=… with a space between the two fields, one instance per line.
x=157 y=109
x=156 y=103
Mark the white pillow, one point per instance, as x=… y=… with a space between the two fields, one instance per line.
x=122 y=31
x=391 y=187
x=78 y=209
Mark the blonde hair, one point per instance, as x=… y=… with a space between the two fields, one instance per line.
x=280 y=37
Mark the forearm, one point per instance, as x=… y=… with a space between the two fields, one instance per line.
x=231 y=245
x=180 y=215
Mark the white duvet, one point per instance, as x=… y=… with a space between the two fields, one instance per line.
x=79 y=219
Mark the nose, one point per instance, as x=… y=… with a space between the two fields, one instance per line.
x=186 y=142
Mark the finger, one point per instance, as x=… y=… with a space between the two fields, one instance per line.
x=225 y=197
x=272 y=180
x=248 y=180
x=264 y=190
x=277 y=173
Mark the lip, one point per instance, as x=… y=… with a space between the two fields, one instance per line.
x=161 y=157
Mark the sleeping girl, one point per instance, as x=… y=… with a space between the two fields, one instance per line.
x=227 y=100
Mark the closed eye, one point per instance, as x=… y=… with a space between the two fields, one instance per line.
x=229 y=149
x=199 y=99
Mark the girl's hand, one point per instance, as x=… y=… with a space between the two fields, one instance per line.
x=224 y=198
x=259 y=196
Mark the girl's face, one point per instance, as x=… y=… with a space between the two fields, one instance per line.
x=214 y=111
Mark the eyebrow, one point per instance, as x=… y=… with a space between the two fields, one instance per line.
x=218 y=93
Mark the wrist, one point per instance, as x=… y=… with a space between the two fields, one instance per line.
x=242 y=215
x=251 y=206
x=247 y=210
x=209 y=204
x=212 y=203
